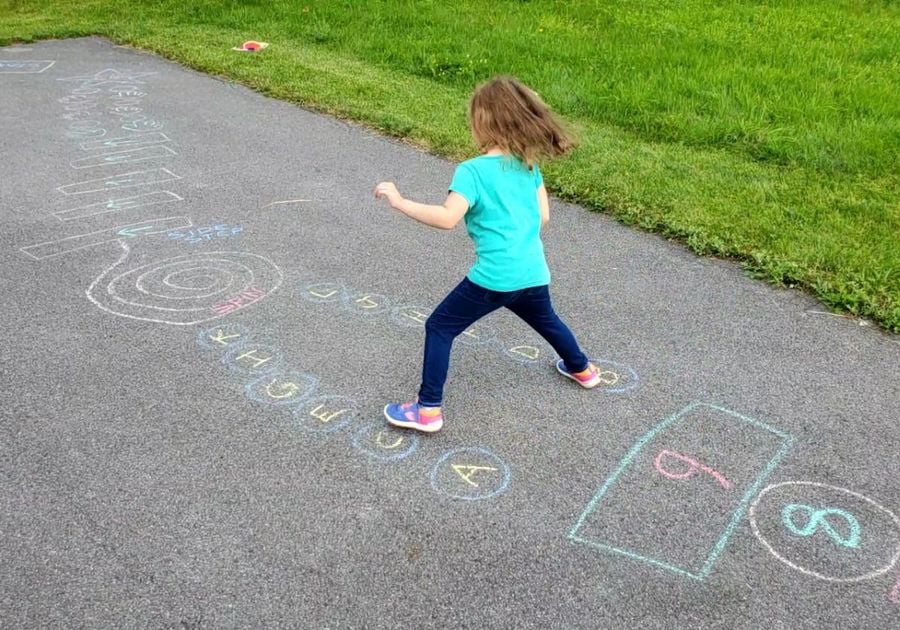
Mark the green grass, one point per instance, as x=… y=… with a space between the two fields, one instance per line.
x=769 y=133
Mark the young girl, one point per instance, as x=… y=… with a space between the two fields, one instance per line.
x=502 y=198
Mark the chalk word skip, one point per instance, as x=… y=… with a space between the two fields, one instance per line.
x=468 y=473
x=826 y=532
x=205 y=233
x=673 y=518
x=24 y=66
x=244 y=298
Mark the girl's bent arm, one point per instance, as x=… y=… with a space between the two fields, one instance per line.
x=444 y=217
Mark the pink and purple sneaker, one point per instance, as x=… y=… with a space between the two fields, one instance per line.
x=587 y=378
x=411 y=415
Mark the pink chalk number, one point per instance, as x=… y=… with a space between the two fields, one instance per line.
x=693 y=467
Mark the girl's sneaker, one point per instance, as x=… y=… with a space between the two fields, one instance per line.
x=588 y=378
x=410 y=415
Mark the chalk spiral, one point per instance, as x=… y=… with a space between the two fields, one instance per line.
x=185 y=289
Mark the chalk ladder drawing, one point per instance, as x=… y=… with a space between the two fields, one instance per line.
x=610 y=523
x=185 y=290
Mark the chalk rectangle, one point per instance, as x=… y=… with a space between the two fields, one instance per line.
x=114 y=182
x=125 y=142
x=122 y=157
x=50 y=249
x=24 y=66
x=116 y=205
x=678 y=494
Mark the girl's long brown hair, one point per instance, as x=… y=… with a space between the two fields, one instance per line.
x=507 y=114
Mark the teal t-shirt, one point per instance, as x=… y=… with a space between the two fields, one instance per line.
x=504 y=221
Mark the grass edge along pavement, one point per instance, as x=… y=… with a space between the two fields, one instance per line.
x=787 y=225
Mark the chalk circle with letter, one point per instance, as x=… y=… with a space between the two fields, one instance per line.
x=826 y=532
x=470 y=474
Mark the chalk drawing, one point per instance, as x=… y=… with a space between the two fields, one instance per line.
x=894 y=595
x=415 y=316
x=117 y=205
x=108 y=76
x=412 y=316
x=282 y=387
x=119 y=142
x=221 y=338
x=868 y=557
x=127 y=92
x=25 y=66
x=326 y=414
x=367 y=303
x=816 y=520
x=322 y=292
x=51 y=249
x=693 y=467
x=615 y=378
x=523 y=354
x=244 y=298
x=252 y=359
x=666 y=534
x=206 y=233
x=470 y=474
x=478 y=334
x=87 y=134
x=153 y=152
x=143 y=124
x=114 y=182
x=278 y=203
x=385 y=443
x=465 y=473
x=182 y=290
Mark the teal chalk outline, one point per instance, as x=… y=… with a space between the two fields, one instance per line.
x=816 y=519
x=736 y=516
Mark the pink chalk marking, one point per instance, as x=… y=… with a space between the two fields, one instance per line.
x=693 y=468
x=244 y=298
x=894 y=595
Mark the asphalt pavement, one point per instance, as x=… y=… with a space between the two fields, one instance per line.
x=206 y=311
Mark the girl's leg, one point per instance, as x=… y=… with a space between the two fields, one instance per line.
x=465 y=305
x=535 y=308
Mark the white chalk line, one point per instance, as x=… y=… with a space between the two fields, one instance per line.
x=116 y=205
x=150 y=137
x=828 y=578
x=114 y=230
x=114 y=180
x=275 y=203
x=140 y=154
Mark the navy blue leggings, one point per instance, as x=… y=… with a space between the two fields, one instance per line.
x=468 y=303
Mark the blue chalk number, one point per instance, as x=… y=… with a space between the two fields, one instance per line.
x=818 y=519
